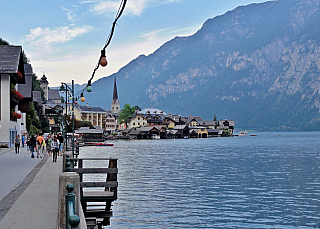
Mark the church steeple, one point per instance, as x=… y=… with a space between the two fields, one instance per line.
x=44 y=85
x=115 y=105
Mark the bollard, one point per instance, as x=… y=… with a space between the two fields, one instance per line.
x=68 y=164
x=72 y=220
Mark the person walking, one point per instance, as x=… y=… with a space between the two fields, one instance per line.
x=60 y=138
x=48 y=142
x=33 y=142
x=28 y=145
x=17 y=143
x=44 y=146
x=39 y=146
x=55 y=149
x=23 y=140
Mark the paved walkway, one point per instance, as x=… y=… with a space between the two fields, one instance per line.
x=33 y=202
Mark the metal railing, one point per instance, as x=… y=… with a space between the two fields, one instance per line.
x=72 y=220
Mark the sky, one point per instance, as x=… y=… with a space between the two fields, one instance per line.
x=63 y=39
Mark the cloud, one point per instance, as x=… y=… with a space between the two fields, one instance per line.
x=45 y=41
x=70 y=13
x=62 y=34
x=135 y=7
x=80 y=66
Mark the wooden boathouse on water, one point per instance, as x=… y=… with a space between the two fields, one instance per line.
x=91 y=135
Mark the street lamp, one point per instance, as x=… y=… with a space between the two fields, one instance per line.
x=68 y=89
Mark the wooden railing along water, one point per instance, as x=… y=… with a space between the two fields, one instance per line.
x=96 y=203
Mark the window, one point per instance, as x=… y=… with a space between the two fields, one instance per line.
x=138 y=118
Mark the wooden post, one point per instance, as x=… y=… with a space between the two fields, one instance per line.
x=112 y=176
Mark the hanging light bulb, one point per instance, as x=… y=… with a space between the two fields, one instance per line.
x=103 y=59
x=82 y=98
x=89 y=88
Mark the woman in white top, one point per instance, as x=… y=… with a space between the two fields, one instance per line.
x=55 y=148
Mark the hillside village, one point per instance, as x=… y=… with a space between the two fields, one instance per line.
x=17 y=91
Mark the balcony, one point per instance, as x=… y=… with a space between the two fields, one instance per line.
x=14 y=116
x=15 y=96
x=17 y=77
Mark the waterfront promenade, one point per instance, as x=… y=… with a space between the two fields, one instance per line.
x=29 y=190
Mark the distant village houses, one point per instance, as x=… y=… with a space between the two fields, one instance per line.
x=17 y=93
x=155 y=123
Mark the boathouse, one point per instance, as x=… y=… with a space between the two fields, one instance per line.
x=91 y=135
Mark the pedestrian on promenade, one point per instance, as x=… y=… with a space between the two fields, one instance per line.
x=17 y=143
x=33 y=142
x=55 y=148
x=48 y=142
x=60 y=138
x=28 y=145
x=22 y=140
x=39 y=146
x=44 y=146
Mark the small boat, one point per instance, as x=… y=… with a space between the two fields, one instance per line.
x=243 y=133
x=98 y=144
x=155 y=136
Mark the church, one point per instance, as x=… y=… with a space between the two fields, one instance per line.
x=98 y=117
x=113 y=115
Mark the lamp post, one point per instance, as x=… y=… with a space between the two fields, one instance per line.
x=66 y=89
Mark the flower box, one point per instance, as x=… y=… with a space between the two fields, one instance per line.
x=14 y=116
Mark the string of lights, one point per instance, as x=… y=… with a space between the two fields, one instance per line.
x=102 y=59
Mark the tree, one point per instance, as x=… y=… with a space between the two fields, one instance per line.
x=86 y=124
x=3 y=42
x=136 y=108
x=33 y=123
x=226 y=133
x=215 y=119
x=45 y=125
x=36 y=85
x=126 y=112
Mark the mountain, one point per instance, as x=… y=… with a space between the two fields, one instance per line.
x=257 y=64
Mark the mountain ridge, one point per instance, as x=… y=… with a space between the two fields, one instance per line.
x=257 y=64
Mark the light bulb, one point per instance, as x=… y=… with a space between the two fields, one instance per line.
x=103 y=59
x=89 y=88
x=82 y=98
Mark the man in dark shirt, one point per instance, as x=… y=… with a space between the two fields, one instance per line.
x=60 y=138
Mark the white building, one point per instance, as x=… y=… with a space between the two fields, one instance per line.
x=11 y=73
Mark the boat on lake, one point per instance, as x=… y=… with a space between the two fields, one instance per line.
x=243 y=133
x=97 y=144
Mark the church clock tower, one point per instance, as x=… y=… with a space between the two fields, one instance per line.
x=44 y=85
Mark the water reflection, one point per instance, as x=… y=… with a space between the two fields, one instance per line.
x=267 y=181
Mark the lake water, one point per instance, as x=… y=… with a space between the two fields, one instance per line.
x=271 y=180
